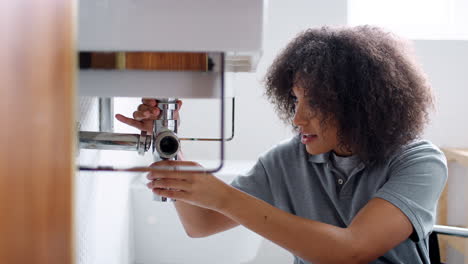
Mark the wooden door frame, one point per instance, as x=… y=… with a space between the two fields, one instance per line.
x=37 y=97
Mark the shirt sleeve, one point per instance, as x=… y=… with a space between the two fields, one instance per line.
x=255 y=182
x=416 y=181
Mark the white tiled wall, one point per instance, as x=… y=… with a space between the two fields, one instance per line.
x=85 y=189
x=102 y=199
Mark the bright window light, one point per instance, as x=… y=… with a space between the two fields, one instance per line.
x=416 y=19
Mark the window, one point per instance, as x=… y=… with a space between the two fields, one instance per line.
x=415 y=19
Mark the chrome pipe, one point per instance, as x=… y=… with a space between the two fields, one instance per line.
x=106 y=114
x=166 y=143
x=451 y=231
x=115 y=141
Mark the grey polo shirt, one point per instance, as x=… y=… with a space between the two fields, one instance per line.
x=309 y=186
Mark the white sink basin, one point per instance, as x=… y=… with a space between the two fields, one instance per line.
x=159 y=237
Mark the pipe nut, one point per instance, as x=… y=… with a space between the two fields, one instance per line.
x=166 y=144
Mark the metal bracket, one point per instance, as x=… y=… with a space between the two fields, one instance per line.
x=219 y=139
x=222 y=139
x=451 y=231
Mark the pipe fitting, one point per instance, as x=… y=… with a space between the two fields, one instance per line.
x=166 y=144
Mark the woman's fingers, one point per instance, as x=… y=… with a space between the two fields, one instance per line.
x=140 y=116
x=129 y=121
x=172 y=169
x=173 y=194
x=143 y=125
x=177 y=116
x=170 y=184
x=164 y=163
x=152 y=110
x=145 y=115
x=171 y=174
x=149 y=101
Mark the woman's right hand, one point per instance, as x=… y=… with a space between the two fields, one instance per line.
x=144 y=116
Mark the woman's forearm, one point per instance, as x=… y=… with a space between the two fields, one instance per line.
x=202 y=222
x=311 y=240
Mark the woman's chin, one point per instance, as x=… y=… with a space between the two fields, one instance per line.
x=315 y=151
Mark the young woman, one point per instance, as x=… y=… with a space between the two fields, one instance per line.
x=356 y=185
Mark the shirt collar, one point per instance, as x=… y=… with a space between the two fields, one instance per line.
x=320 y=158
x=325 y=158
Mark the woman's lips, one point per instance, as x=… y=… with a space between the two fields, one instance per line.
x=307 y=138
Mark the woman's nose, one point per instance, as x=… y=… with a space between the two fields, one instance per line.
x=300 y=117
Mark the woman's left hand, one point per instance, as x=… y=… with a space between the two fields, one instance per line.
x=200 y=189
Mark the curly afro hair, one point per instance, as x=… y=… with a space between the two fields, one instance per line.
x=363 y=78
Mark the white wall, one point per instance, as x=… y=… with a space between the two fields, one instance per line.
x=257 y=126
x=445 y=62
x=102 y=200
x=85 y=190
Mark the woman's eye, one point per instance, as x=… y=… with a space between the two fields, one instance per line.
x=294 y=99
